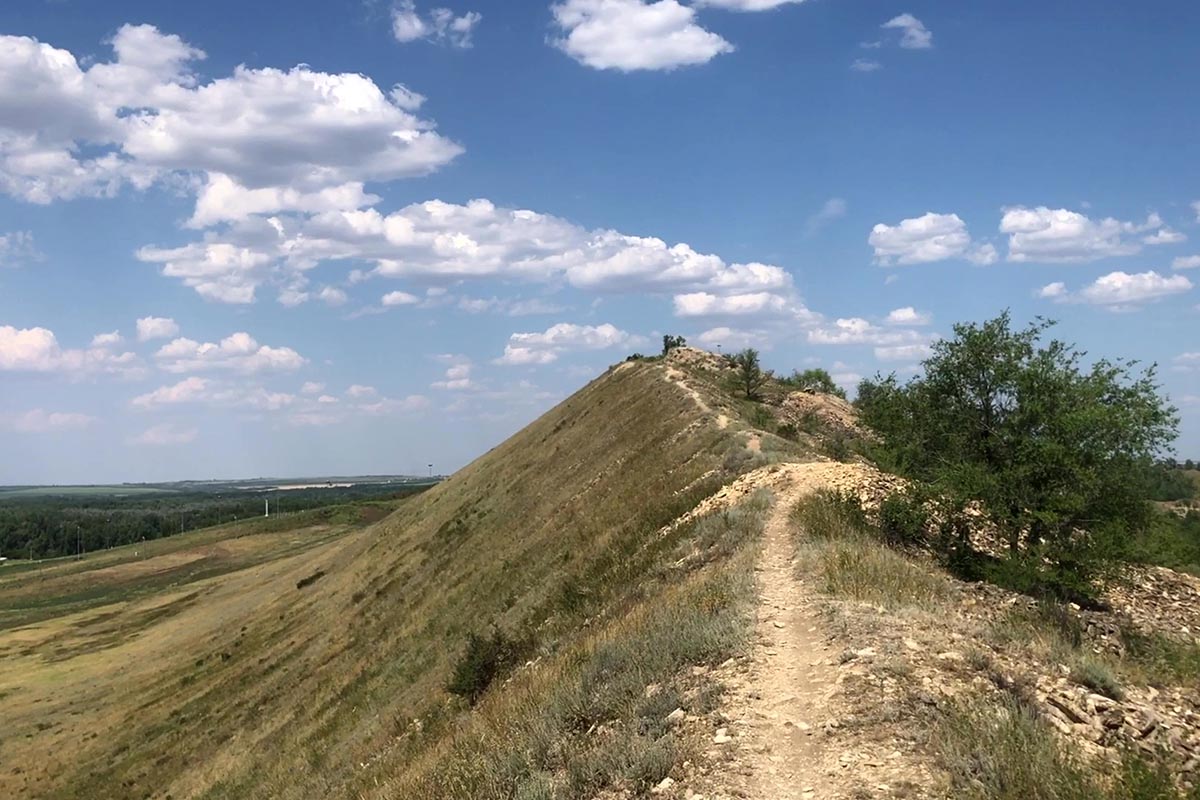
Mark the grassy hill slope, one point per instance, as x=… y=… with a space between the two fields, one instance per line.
x=331 y=680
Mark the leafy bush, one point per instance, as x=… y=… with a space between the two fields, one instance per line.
x=750 y=377
x=903 y=519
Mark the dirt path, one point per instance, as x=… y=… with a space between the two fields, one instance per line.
x=792 y=678
x=782 y=698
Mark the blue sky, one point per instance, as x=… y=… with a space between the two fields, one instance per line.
x=363 y=237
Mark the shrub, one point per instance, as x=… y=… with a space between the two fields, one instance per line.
x=814 y=380
x=1097 y=677
x=903 y=519
x=1048 y=445
x=483 y=660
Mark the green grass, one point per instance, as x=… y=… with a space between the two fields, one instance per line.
x=843 y=551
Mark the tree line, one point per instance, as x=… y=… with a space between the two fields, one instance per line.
x=49 y=526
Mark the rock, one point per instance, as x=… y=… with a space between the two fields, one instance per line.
x=663 y=786
x=676 y=716
x=722 y=736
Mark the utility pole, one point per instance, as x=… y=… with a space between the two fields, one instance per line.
x=431 y=470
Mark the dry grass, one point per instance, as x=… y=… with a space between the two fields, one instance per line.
x=1003 y=751
x=267 y=690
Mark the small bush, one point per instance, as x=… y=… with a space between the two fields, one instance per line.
x=761 y=418
x=1160 y=660
x=482 y=661
x=1097 y=677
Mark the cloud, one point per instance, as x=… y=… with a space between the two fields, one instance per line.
x=188 y=390
x=358 y=391
x=312 y=387
x=1187 y=362
x=165 y=435
x=630 y=35
x=856 y=330
x=903 y=352
x=758 y=304
x=1120 y=291
x=239 y=352
x=865 y=65
x=731 y=338
x=214 y=393
x=261 y=140
x=441 y=25
x=1164 y=236
x=156 y=328
x=545 y=347
x=927 y=238
x=914 y=34
x=908 y=316
x=41 y=421
x=1186 y=262
x=38 y=350
x=440 y=244
x=107 y=339
x=399 y=299
x=458 y=378
x=1058 y=235
x=1196 y=208
x=17 y=249
x=833 y=209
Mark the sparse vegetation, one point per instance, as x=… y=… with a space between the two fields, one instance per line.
x=671 y=342
x=1002 y=750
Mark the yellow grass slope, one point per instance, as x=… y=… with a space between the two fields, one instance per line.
x=324 y=674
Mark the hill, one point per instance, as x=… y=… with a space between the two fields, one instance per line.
x=657 y=588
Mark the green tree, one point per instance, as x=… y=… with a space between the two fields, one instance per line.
x=750 y=377
x=815 y=380
x=1057 y=453
x=671 y=342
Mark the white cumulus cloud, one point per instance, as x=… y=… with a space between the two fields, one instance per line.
x=149 y=328
x=262 y=140
x=1186 y=262
x=37 y=350
x=239 y=352
x=1120 y=291
x=908 y=316
x=1060 y=235
x=630 y=35
x=927 y=238
x=547 y=346
x=17 y=249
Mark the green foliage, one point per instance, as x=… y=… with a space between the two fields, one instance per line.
x=671 y=342
x=814 y=380
x=1165 y=482
x=1170 y=540
x=750 y=377
x=903 y=519
x=483 y=660
x=1055 y=452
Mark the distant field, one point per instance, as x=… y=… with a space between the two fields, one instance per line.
x=7 y=492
